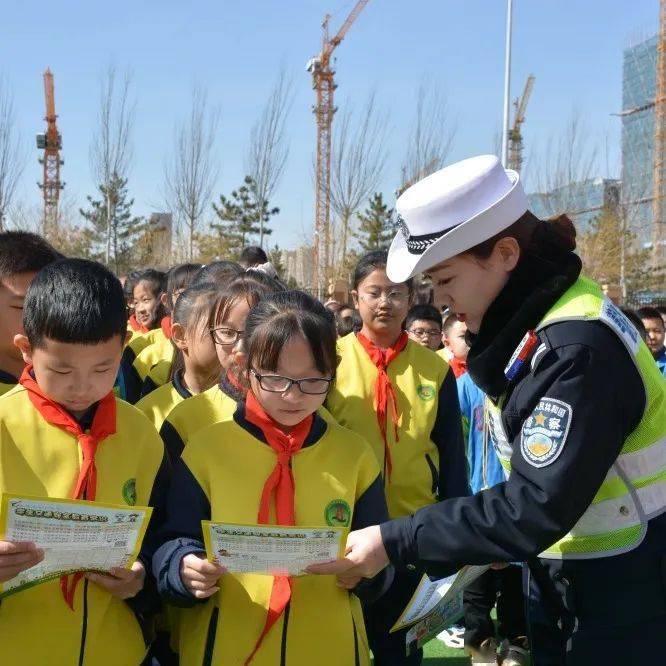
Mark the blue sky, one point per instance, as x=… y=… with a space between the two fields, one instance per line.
x=234 y=50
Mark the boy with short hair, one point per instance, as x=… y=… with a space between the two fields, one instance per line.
x=22 y=254
x=656 y=332
x=424 y=326
x=453 y=332
x=63 y=434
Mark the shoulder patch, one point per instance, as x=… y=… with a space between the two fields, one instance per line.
x=619 y=322
x=545 y=431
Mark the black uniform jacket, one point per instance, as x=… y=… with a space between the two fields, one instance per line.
x=582 y=364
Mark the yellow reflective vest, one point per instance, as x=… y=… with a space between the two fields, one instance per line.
x=634 y=489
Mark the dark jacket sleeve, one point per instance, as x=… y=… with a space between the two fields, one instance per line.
x=147 y=387
x=448 y=437
x=186 y=506
x=173 y=443
x=518 y=519
x=370 y=509
x=129 y=379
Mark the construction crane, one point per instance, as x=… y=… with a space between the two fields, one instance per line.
x=515 y=133
x=324 y=109
x=50 y=143
x=659 y=155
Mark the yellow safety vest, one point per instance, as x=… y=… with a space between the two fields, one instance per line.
x=634 y=489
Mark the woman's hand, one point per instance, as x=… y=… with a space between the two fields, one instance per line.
x=365 y=556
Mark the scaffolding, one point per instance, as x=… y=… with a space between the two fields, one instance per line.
x=659 y=188
x=638 y=136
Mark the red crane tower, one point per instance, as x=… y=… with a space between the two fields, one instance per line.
x=50 y=143
x=323 y=84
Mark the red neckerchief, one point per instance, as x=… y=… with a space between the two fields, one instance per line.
x=165 y=325
x=281 y=484
x=103 y=425
x=384 y=394
x=459 y=366
x=136 y=327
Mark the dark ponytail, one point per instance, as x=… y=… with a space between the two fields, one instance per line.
x=549 y=238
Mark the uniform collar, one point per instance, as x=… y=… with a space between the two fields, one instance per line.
x=230 y=390
x=317 y=429
x=7 y=378
x=533 y=288
x=181 y=389
x=86 y=419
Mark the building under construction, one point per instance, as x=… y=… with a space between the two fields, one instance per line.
x=639 y=78
x=582 y=201
x=643 y=167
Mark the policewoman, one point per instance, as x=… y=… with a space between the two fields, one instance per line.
x=577 y=413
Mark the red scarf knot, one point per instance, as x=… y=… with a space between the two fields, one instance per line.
x=281 y=484
x=103 y=425
x=386 y=403
x=459 y=366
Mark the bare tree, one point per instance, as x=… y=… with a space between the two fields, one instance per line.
x=431 y=136
x=190 y=175
x=268 y=151
x=562 y=171
x=111 y=149
x=358 y=160
x=12 y=154
x=25 y=217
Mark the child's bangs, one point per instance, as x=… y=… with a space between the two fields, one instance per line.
x=245 y=288
x=270 y=338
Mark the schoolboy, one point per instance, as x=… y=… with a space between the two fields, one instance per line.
x=424 y=326
x=63 y=434
x=455 y=344
x=656 y=332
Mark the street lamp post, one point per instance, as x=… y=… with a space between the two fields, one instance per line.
x=507 y=85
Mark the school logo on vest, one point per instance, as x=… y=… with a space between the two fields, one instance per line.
x=338 y=513
x=545 y=432
x=129 y=491
x=425 y=392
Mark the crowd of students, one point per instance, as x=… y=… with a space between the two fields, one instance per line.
x=252 y=404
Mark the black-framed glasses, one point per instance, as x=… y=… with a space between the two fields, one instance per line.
x=422 y=332
x=223 y=335
x=280 y=384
